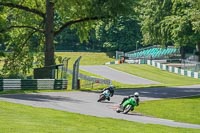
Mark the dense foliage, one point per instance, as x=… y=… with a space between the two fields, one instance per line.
x=175 y=22
x=108 y=25
x=104 y=37
x=32 y=26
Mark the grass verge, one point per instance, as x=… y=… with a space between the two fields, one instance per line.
x=155 y=74
x=180 y=109
x=87 y=58
x=16 y=118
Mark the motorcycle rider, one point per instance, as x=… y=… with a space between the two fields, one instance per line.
x=136 y=99
x=111 y=90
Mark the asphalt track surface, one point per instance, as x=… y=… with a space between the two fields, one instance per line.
x=86 y=103
x=116 y=75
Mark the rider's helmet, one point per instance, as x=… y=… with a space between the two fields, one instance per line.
x=111 y=88
x=136 y=94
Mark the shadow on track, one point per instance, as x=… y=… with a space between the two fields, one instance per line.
x=172 y=92
x=39 y=98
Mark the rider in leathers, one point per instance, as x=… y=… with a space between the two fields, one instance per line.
x=111 y=90
x=132 y=99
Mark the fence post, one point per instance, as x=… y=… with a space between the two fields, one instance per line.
x=65 y=67
x=75 y=74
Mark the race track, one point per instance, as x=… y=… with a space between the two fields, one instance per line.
x=86 y=102
x=116 y=75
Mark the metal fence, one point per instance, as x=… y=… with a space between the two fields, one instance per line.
x=91 y=80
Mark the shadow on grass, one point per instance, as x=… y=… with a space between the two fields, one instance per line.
x=24 y=91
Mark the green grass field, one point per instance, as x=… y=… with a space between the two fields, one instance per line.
x=182 y=109
x=87 y=58
x=155 y=74
x=16 y=118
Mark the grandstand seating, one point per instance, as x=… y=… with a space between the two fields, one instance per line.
x=152 y=52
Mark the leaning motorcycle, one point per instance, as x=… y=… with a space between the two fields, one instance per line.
x=126 y=106
x=104 y=95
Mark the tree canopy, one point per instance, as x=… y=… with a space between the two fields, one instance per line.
x=174 y=21
x=28 y=26
x=43 y=20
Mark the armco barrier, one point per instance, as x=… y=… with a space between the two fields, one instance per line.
x=174 y=69
x=33 y=84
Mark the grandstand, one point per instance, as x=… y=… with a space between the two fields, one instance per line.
x=168 y=59
x=154 y=52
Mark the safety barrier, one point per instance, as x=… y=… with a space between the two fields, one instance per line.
x=33 y=84
x=92 y=78
x=174 y=69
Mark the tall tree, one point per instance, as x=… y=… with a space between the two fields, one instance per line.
x=2 y=36
x=123 y=35
x=45 y=19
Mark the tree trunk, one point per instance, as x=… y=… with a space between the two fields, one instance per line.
x=49 y=34
x=198 y=50
x=182 y=51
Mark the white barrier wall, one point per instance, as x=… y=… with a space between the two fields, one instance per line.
x=174 y=69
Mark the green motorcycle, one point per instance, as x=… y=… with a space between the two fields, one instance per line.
x=127 y=105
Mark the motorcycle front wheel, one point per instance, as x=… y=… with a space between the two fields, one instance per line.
x=101 y=98
x=127 y=109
